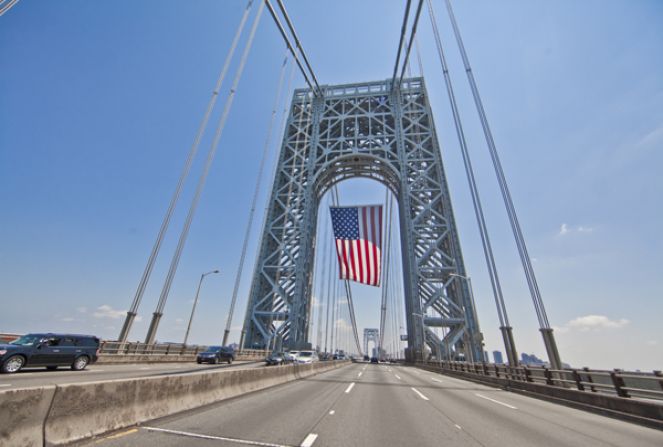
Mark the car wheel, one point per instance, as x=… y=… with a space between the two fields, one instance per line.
x=80 y=363
x=230 y=360
x=198 y=362
x=52 y=367
x=13 y=364
x=213 y=362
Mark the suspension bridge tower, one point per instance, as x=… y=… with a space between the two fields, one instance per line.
x=381 y=131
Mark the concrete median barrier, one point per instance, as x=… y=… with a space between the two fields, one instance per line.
x=22 y=415
x=80 y=411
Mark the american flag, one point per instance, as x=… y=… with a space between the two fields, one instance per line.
x=358 y=232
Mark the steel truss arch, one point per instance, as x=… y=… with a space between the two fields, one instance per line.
x=387 y=134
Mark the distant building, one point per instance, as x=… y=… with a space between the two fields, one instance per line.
x=497 y=357
x=485 y=357
x=531 y=360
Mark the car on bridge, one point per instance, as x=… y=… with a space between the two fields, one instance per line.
x=216 y=354
x=306 y=357
x=49 y=350
x=277 y=358
x=291 y=356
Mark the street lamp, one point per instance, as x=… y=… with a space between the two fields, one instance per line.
x=195 y=302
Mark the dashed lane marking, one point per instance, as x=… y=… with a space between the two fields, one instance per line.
x=419 y=393
x=397 y=376
x=349 y=388
x=5 y=384
x=218 y=438
x=360 y=373
x=496 y=401
x=436 y=380
x=309 y=440
x=458 y=426
x=332 y=412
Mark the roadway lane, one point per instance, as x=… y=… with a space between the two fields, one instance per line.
x=93 y=373
x=381 y=405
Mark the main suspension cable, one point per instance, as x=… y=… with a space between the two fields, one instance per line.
x=254 y=201
x=131 y=314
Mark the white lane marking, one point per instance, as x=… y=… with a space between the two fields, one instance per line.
x=419 y=393
x=359 y=375
x=5 y=384
x=144 y=368
x=496 y=401
x=332 y=412
x=397 y=376
x=310 y=439
x=458 y=426
x=350 y=388
x=96 y=370
x=436 y=380
x=219 y=438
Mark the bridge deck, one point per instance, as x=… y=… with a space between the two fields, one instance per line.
x=387 y=405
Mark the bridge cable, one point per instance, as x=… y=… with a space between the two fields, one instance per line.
x=131 y=314
x=348 y=290
x=297 y=42
x=515 y=226
x=409 y=45
x=400 y=41
x=476 y=201
x=256 y=192
x=315 y=91
x=284 y=116
x=325 y=279
x=201 y=181
x=6 y=5
x=386 y=258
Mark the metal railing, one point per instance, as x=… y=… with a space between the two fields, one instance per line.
x=619 y=383
x=136 y=348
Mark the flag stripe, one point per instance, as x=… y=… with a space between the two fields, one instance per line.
x=358 y=233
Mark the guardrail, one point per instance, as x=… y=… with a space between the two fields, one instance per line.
x=116 y=347
x=614 y=383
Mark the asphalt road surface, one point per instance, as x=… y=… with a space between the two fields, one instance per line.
x=40 y=376
x=383 y=405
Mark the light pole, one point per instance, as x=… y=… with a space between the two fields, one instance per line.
x=195 y=302
x=474 y=311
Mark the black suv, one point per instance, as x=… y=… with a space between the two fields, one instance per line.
x=49 y=350
x=216 y=354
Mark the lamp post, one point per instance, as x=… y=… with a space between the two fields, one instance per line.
x=474 y=310
x=195 y=302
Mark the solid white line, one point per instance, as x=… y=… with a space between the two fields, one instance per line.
x=397 y=376
x=350 y=388
x=359 y=375
x=332 y=412
x=419 y=393
x=496 y=401
x=219 y=438
x=310 y=439
x=436 y=380
x=5 y=384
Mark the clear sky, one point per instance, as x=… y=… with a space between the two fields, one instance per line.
x=100 y=101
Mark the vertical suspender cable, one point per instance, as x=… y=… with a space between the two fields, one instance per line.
x=505 y=327
x=546 y=330
x=412 y=35
x=131 y=314
x=400 y=42
x=256 y=192
x=201 y=182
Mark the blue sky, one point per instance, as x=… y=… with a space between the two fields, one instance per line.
x=100 y=101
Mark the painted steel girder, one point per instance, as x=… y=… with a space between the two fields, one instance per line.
x=359 y=130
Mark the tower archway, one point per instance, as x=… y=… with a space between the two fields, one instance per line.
x=362 y=130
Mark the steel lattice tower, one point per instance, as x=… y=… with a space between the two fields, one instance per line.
x=371 y=335
x=362 y=130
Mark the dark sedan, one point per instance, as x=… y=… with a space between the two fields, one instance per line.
x=276 y=358
x=216 y=354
